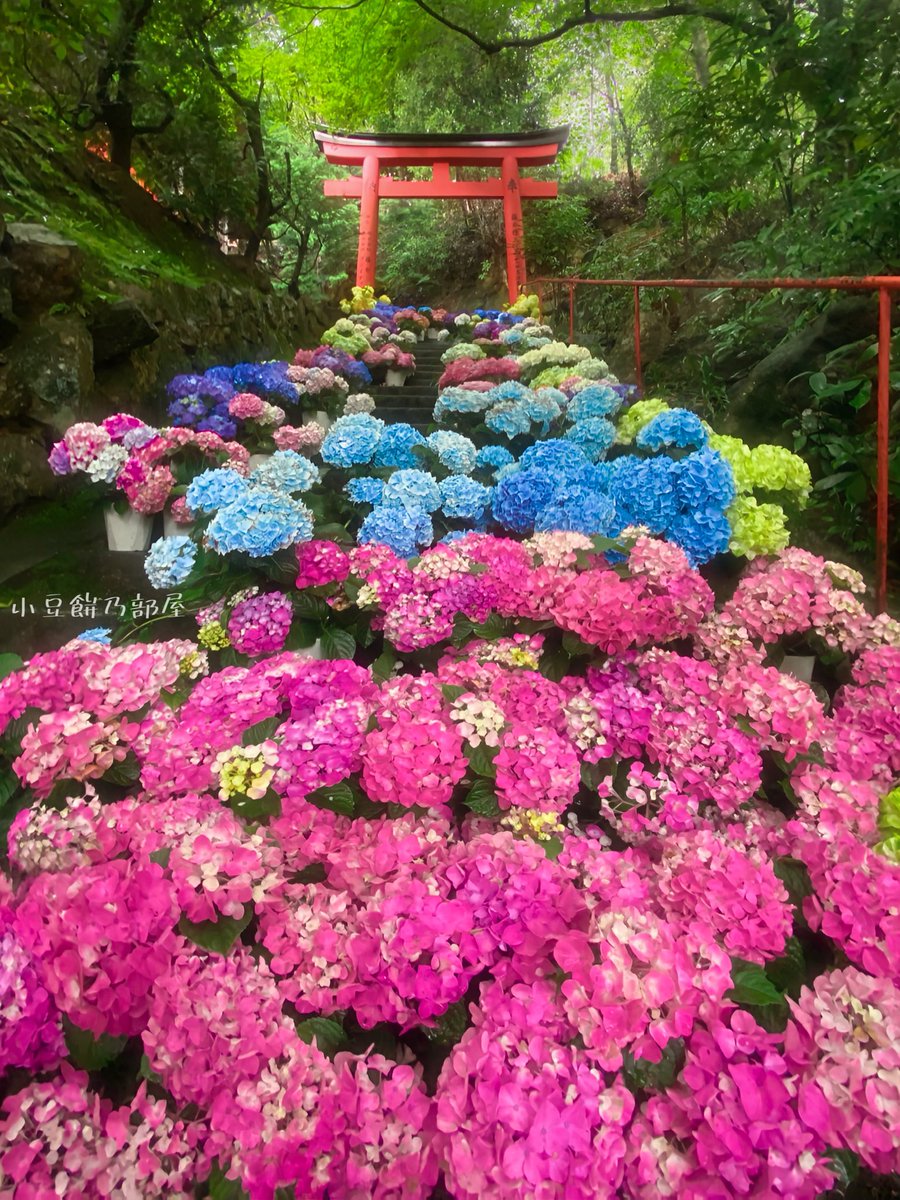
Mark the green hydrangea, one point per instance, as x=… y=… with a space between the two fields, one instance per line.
x=778 y=470
x=353 y=343
x=462 y=350
x=552 y=377
x=593 y=368
x=739 y=457
x=756 y=528
x=635 y=418
x=889 y=825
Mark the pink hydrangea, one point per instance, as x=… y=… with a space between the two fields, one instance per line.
x=415 y=761
x=320 y=562
x=536 y=768
x=30 y=1032
x=103 y=935
x=260 y=624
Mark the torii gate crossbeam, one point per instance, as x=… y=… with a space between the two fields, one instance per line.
x=378 y=154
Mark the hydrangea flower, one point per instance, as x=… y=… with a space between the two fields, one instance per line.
x=365 y=489
x=352 y=440
x=285 y=471
x=464 y=499
x=259 y=523
x=456 y=453
x=494 y=457
x=519 y=497
x=593 y=435
x=395 y=449
x=169 y=561
x=404 y=530
x=413 y=490
x=676 y=427
x=214 y=489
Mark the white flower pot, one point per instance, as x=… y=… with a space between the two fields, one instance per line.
x=173 y=528
x=257 y=460
x=421 y=335
x=127 y=531
x=799 y=665
x=395 y=378
x=313 y=651
x=432 y=334
x=323 y=419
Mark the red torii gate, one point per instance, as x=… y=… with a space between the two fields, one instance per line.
x=378 y=153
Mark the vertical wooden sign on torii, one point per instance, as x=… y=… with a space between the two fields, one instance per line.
x=377 y=154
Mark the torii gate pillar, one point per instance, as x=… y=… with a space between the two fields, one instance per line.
x=509 y=152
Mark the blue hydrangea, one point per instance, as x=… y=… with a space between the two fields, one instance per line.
x=259 y=523
x=404 y=530
x=352 y=440
x=213 y=489
x=169 y=561
x=701 y=534
x=135 y=438
x=555 y=455
x=509 y=417
x=543 y=408
x=644 y=492
x=578 y=508
x=186 y=410
x=519 y=497
x=456 y=453
x=704 y=479
x=100 y=635
x=596 y=400
x=215 y=422
x=412 y=489
x=265 y=379
x=220 y=374
x=286 y=471
x=184 y=386
x=396 y=446
x=455 y=534
x=594 y=435
x=677 y=427
x=510 y=389
x=216 y=388
x=464 y=499
x=460 y=400
x=494 y=457
x=365 y=490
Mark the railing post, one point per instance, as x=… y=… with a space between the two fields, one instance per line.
x=882 y=480
x=638 y=368
x=571 y=313
x=540 y=296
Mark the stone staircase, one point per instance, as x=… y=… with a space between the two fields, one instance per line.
x=414 y=402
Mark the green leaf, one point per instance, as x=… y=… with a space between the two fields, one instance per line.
x=554 y=664
x=303 y=634
x=9 y=785
x=482 y=799
x=795 y=877
x=9 y=663
x=481 y=759
x=124 y=773
x=338 y=643
x=253 y=809
x=575 y=646
x=602 y=544
x=818 y=381
x=311 y=607
x=751 y=985
x=260 y=732
x=788 y=972
x=328 y=1035
x=642 y=1075
x=553 y=847
x=218 y=936
x=88 y=1052
x=452 y=691
x=221 y=1188
x=338 y=798
x=383 y=666
x=145 y=1071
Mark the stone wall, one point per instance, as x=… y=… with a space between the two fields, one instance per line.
x=65 y=357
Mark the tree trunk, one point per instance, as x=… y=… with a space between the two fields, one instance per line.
x=700 y=53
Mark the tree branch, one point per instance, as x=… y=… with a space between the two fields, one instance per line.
x=589 y=17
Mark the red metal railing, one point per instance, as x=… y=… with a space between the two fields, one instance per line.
x=884 y=285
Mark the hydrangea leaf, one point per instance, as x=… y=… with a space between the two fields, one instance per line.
x=328 y=1035
x=260 y=732
x=338 y=798
x=481 y=759
x=338 y=643
x=218 y=936
x=751 y=985
x=482 y=799
x=88 y=1052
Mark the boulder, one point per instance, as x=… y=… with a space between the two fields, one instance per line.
x=50 y=370
x=46 y=267
x=23 y=470
x=119 y=327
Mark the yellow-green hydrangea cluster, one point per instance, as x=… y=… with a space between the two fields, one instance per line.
x=193 y=665
x=212 y=636
x=526 y=306
x=757 y=528
x=633 y=420
x=531 y=822
x=246 y=770
x=770 y=468
x=889 y=825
